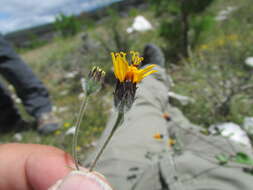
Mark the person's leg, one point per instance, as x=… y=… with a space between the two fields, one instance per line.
x=29 y=88
x=135 y=160
x=9 y=114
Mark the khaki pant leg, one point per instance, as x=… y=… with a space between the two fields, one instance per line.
x=133 y=153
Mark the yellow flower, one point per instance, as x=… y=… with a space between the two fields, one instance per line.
x=58 y=132
x=204 y=47
x=78 y=148
x=126 y=72
x=158 y=136
x=128 y=75
x=66 y=125
x=171 y=142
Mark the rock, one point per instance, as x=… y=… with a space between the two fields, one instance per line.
x=10 y=87
x=81 y=96
x=71 y=75
x=249 y=61
x=231 y=131
x=54 y=109
x=223 y=14
x=64 y=92
x=18 y=137
x=71 y=131
x=184 y=100
x=141 y=24
x=16 y=99
x=63 y=109
x=248 y=125
x=94 y=143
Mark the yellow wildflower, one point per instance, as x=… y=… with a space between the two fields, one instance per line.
x=204 y=47
x=128 y=75
x=78 y=148
x=125 y=72
x=58 y=132
x=158 y=136
x=171 y=141
x=66 y=125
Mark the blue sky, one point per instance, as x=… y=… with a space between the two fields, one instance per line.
x=18 y=14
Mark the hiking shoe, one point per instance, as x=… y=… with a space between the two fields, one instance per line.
x=153 y=55
x=47 y=123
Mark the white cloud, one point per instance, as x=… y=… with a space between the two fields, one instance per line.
x=23 y=14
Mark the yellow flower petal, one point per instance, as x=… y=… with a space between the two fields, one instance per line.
x=143 y=71
x=149 y=73
x=115 y=64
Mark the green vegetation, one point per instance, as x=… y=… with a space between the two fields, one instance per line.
x=182 y=24
x=214 y=73
x=67 y=25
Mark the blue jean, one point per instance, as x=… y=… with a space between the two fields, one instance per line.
x=29 y=88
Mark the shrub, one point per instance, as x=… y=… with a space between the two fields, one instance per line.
x=178 y=19
x=67 y=25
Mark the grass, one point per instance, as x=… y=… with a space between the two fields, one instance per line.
x=215 y=68
x=216 y=71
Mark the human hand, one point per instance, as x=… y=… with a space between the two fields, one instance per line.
x=39 y=167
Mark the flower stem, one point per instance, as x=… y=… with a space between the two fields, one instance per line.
x=78 y=124
x=120 y=116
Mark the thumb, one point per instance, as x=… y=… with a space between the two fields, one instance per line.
x=81 y=180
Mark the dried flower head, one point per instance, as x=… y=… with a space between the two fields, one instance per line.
x=94 y=82
x=128 y=75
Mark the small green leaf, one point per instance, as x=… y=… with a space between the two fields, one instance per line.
x=243 y=158
x=205 y=132
x=222 y=158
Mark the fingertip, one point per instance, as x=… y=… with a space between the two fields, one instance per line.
x=80 y=180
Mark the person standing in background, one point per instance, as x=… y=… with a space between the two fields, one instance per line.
x=29 y=89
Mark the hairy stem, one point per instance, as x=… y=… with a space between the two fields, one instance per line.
x=77 y=125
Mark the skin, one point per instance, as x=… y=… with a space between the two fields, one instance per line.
x=32 y=166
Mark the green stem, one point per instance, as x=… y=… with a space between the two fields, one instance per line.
x=78 y=123
x=119 y=118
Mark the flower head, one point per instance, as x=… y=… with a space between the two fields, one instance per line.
x=128 y=75
x=126 y=72
x=95 y=79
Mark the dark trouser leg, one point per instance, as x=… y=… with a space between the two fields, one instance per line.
x=29 y=88
x=9 y=114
